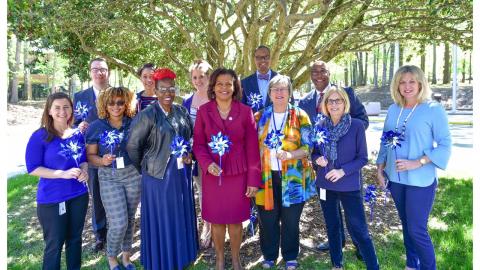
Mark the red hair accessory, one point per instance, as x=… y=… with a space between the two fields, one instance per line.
x=163 y=73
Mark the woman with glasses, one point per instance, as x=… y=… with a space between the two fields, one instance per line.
x=147 y=96
x=200 y=72
x=119 y=180
x=229 y=180
x=338 y=163
x=168 y=219
x=287 y=176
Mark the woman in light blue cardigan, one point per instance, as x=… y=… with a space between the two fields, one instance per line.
x=409 y=170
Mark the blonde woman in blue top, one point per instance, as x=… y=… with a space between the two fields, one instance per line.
x=410 y=169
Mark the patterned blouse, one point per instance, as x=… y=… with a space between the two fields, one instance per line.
x=298 y=180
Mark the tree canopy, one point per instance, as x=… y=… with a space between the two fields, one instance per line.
x=225 y=33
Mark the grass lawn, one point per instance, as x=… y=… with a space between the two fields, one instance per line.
x=451 y=224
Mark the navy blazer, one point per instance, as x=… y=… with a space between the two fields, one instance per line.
x=87 y=97
x=309 y=104
x=250 y=85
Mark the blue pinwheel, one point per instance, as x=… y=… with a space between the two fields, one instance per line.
x=111 y=139
x=371 y=198
x=220 y=144
x=391 y=139
x=73 y=148
x=253 y=220
x=180 y=147
x=81 y=111
x=320 y=118
x=274 y=141
x=254 y=100
x=319 y=137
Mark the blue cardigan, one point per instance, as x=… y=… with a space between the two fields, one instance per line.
x=352 y=155
x=427 y=133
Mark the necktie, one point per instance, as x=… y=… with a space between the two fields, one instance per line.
x=263 y=76
x=319 y=107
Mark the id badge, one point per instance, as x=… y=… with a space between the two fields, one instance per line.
x=323 y=194
x=180 y=163
x=120 y=163
x=61 y=208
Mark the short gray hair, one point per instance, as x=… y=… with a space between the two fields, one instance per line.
x=280 y=79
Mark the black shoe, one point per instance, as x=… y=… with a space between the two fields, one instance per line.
x=99 y=245
x=325 y=246
x=358 y=254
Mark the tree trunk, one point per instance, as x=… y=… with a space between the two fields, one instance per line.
x=422 y=57
x=360 y=68
x=400 y=55
x=354 y=73
x=470 y=69
x=446 y=64
x=345 y=74
x=54 y=73
x=365 y=70
x=15 y=70
x=463 y=68
x=434 y=65
x=120 y=77
x=375 y=67
x=384 y=68
x=27 y=82
x=392 y=62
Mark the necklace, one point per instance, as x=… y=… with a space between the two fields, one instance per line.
x=222 y=112
x=279 y=130
x=404 y=126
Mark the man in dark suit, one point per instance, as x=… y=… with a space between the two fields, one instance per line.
x=320 y=76
x=99 y=75
x=257 y=83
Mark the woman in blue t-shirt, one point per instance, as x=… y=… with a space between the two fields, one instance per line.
x=56 y=153
x=118 y=178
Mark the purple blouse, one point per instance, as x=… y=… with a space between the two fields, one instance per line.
x=40 y=153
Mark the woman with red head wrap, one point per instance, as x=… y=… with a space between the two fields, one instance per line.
x=168 y=219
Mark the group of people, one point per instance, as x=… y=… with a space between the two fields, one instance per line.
x=241 y=144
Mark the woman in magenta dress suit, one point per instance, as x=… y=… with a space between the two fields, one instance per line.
x=227 y=205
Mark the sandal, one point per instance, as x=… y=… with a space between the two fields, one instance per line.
x=291 y=265
x=268 y=264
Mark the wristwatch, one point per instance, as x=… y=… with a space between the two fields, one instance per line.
x=423 y=161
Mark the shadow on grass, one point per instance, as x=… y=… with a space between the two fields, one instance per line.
x=450 y=227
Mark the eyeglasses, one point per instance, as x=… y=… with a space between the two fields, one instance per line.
x=99 y=70
x=164 y=90
x=337 y=101
x=279 y=89
x=262 y=58
x=119 y=103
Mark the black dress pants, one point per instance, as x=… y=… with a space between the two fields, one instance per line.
x=279 y=227
x=63 y=229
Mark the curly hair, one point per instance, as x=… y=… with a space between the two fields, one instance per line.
x=109 y=95
x=237 y=89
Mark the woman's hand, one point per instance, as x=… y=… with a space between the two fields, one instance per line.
x=334 y=175
x=406 y=165
x=381 y=179
x=83 y=177
x=214 y=169
x=251 y=191
x=71 y=173
x=321 y=161
x=187 y=159
x=107 y=159
x=284 y=155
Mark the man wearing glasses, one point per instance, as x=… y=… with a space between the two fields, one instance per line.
x=99 y=75
x=320 y=76
x=255 y=86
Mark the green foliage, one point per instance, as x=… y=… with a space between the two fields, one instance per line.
x=174 y=33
